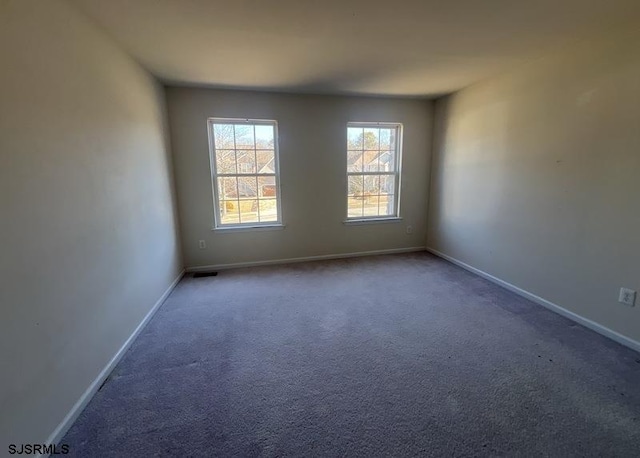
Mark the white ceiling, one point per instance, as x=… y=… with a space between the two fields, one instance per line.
x=401 y=47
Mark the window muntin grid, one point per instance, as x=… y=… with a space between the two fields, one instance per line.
x=245 y=172
x=373 y=170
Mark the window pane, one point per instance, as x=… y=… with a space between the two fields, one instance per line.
x=354 y=138
x=229 y=213
x=226 y=161
x=371 y=205
x=264 y=137
x=387 y=161
x=246 y=161
x=387 y=184
x=266 y=161
x=387 y=139
x=370 y=161
x=223 y=136
x=354 y=161
x=268 y=210
x=355 y=207
x=371 y=139
x=267 y=187
x=386 y=205
x=227 y=188
x=355 y=185
x=378 y=163
x=248 y=211
x=372 y=185
x=244 y=136
x=247 y=187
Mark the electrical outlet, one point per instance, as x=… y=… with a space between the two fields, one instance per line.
x=627 y=296
x=409 y=229
x=202 y=244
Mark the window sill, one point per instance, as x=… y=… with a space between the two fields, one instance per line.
x=357 y=222
x=260 y=227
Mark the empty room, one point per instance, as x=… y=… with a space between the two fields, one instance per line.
x=290 y=228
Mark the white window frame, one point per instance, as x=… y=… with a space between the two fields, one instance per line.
x=217 y=224
x=397 y=174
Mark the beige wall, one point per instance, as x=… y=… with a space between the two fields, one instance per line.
x=88 y=232
x=312 y=133
x=536 y=178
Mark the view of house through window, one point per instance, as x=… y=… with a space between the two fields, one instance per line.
x=373 y=163
x=245 y=172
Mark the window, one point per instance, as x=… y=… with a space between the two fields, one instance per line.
x=373 y=170
x=244 y=164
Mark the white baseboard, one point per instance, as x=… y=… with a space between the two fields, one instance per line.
x=600 y=329
x=79 y=406
x=303 y=259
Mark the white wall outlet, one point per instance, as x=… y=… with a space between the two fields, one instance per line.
x=409 y=229
x=627 y=296
x=202 y=244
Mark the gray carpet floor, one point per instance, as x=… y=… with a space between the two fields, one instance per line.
x=401 y=355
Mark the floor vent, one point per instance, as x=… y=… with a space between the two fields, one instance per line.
x=204 y=274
